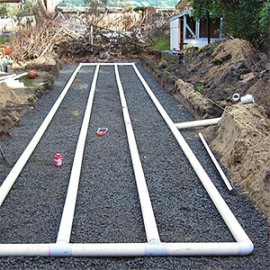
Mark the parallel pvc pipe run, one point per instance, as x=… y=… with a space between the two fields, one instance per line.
x=69 y=208
x=243 y=246
x=198 y=123
x=145 y=202
x=17 y=168
x=223 y=176
x=124 y=249
x=228 y=217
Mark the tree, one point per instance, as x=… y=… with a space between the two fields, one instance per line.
x=3 y=10
x=242 y=18
x=264 y=22
x=48 y=6
x=42 y=9
x=206 y=10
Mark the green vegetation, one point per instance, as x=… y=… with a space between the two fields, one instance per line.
x=162 y=43
x=264 y=18
x=245 y=19
x=5 y=40
x=200 y=88
x=3 y=10
x=41 y=89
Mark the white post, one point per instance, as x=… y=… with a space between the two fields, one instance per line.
x=91 y=35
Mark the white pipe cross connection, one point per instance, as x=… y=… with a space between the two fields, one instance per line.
x=153 y=246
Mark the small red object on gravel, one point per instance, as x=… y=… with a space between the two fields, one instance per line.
x=101 y=131
x=58 y=160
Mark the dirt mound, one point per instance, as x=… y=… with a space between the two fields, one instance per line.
x=8 y=96
x=10 y=109
x=49 y=62
x=232 y=52
x=15 y=102
x=243 y=142
x=221 y=69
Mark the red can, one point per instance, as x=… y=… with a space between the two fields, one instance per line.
x=58 y=160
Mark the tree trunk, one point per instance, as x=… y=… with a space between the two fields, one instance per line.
x=208 y=28
x=48 y=6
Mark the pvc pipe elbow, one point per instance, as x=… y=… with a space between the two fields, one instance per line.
x=245 y=248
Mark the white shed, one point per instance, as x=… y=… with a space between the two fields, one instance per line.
x=185 y=31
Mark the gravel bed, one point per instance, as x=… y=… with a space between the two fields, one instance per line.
x=108 y=209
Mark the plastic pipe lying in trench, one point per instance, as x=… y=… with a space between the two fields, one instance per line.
x=13 y=76
x=146 y=206
x=223 y=176
x=69 y=208
x=198 y=123
x=124 y=249
x=243 y=246
x=235 y=228
x=17 y=168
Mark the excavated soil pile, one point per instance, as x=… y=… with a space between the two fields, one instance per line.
x=243 y=142
x=242 y=138
x=224 y=68
x=10 y=108
x=15 y=102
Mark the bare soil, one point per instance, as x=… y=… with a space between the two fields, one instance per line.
x=14 y=102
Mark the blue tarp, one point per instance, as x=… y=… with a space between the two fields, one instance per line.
x=119 y=3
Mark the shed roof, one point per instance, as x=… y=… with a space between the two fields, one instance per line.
x=186 y=12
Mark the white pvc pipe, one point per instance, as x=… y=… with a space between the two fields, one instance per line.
x=20 y=75
x=127 y=249
x=105 y=64
x=145 y=202
x=3 y=78
x=12 y=76
x=69 y=208
x=243 y=246
x=17 y=168
x=198 y=123
x=223 y=176
x=228 y=217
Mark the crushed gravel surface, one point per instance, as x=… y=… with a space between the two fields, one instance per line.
x=107 y=209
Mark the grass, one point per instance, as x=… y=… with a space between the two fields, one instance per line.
x=162 y=43
x=5 y=40
x=200 y=88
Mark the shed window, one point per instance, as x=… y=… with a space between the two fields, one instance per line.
x=192 y=24
x=214 y=28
